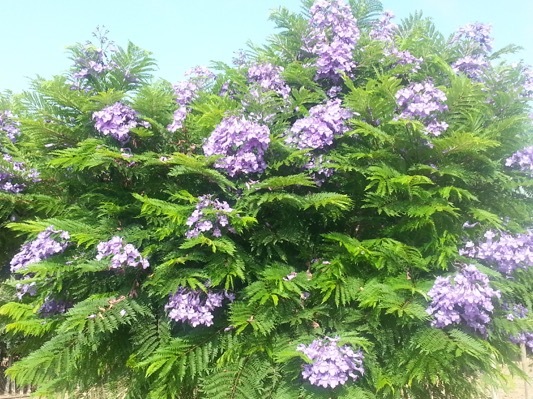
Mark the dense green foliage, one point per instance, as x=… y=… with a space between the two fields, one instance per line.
x=365 y=245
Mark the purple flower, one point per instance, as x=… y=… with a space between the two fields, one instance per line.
x=122 y=255
x=241 y=143
x=471 y=66
x=9 y=125
x=116 y=121
x=467 y=300
x=522 y=159
x=383 y=29
x=523 y=338
x=240 y=58
x=516 y=311
x=195 y=307
x=325 y=121
x=404 y=57
x=318 y=166
x=210 y=215
x=93 y=61
x=477 y=33
x=14 y=175
x=332 y=37
x=332 y=364
x=506 y=254
x=47 y=243
x=528 y=82
x=423 y=102
x=268 y=78
x=23 y=289
x=187 y=91
x=52 y=307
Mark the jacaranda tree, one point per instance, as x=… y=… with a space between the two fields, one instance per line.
x=341 y=213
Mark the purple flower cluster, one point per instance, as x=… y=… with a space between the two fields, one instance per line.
x=384 y=29
x=325 y=121
x=210 y=215
x=240 y=58
x=523 y=338
x=116 y=121
x=9 y=126
x=242 y=144
x=523 y=159
x=92 y=61
x=52 y=307
x=123 y=255
x=186 y=92
x=332 y=36
x=528 y=82
x=477 y=33
x=195 y=307
x=268 y=78
x=23 y=289
x=471 y=66
x=516 y=311
x=423 y=102
x=519 y=311
x=404 y=57
x=13 y=174
x=332 y=364
x=318 y=166
x=507 y=254
x=48 y=242
x=467 y=300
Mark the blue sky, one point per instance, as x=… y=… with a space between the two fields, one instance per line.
x=182 y=33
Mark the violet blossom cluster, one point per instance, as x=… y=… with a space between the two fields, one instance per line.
x=467 y=300
x=210 y=215
x=325 y=121
x=52 y=307
x=242 y=144
x=92 y=61
x=187 y=91
x=515 y=311
x=267 y=77
x=9 y=126
x=383 y=28
x=528 y=82
x=116 y=121
x=14 y=175
x=523 y=338
x=423 y=102
x=522 y=159
x=195 y=307
x=404 y=57
x=332 y=36
x=332 y=364
x=384 y=31
x=519 y=311
x=265 y=85
x=506 y=254
x=47 y=243
x=26 y=288
x=477 y=33
x=318 y=166
x=471 y=66
x=122 y=255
